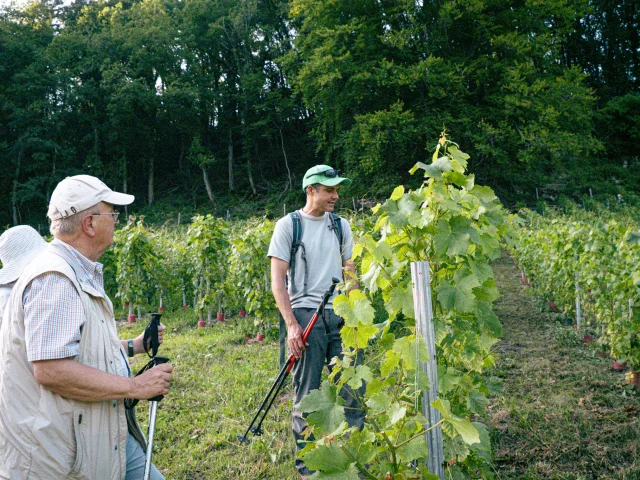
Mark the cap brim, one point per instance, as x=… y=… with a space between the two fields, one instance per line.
x=117 y=198
x=331 y=182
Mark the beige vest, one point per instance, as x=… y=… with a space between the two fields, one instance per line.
x=43 y=435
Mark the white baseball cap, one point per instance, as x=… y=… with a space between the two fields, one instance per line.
x=77 y=193
x=18 y=247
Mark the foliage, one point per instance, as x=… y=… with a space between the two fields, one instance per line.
x=456 y=225
x=249 y=269
x=172 y=274
x=207 y=243
x=136 y=261
x=595 y=254
x=554 y=390
x=124 y=90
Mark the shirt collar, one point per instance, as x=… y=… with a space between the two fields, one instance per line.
x=92 y=269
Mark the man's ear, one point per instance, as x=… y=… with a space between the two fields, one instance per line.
x=87 y=226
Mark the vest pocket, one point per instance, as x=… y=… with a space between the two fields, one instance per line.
x=76 y=468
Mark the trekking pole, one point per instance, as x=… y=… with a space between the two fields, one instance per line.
x=154 y=343
x=284 y=372
x=150 y=342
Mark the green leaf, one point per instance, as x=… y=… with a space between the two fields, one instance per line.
x=481 y=270
x=321 y=399
x=483 y=449
x=379 y=402
x=447 y=381
x=400 y=300
x=415 y=449
x=357 y=337
x=417 y=166
x=391 y=362
x=442 y=164
x=398 y=192
x=328 y=458
x=396 y=412
x=354 y=309
x=458 y=296
x=457 y=450
x=462 y=427
x=363 y=374
x=484 y=194
x=477 y=402
x=448 y=242
x=325 y=409
x=406 y=348
x=456 y=177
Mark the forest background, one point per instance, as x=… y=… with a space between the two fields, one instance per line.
x=220 y=106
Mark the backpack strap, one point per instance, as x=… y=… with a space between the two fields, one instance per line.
x=336 y=226
x=296 y=243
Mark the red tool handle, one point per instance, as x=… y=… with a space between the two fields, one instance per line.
x=307 y=331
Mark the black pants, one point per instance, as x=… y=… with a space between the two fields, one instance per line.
x=324 y=344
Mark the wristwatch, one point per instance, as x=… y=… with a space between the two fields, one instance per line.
x=130 y=348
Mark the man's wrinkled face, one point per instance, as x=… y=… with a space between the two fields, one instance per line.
x=104 y=222
x=325 y=198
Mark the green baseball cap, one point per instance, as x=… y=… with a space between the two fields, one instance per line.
x=324 y=175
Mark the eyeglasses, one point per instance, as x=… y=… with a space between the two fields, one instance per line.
x=113 y=215
x=331 y=173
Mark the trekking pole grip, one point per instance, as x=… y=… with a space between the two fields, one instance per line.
x=158 y=361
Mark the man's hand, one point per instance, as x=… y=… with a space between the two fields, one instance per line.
x=138 y=342
x=294 y=340
x=155 y=381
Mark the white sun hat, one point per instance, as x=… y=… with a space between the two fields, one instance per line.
x=18 y=247
x=74 y=194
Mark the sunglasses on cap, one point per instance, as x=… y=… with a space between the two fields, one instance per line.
x=331 y=173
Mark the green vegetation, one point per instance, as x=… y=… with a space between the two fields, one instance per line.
x=593 y=255
x=451 y=221
x=201 y=106
x=563 y=413
x=457 y=226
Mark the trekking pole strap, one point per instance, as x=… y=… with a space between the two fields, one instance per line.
x=150 y=342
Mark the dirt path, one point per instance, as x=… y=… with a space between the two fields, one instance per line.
x=563 y=412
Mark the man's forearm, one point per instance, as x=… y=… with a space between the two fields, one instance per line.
x=284 y=304
x=138 y=347
x=350 y=274
x=71 y=379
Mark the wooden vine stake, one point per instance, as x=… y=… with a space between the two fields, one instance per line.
x=421 y=279
x=578 y=309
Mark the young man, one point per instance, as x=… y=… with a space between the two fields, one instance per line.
x=64 y=373
x=324 y=252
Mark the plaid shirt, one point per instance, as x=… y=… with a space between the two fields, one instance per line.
x=53 y=312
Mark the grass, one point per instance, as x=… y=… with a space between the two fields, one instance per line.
x=563 y=413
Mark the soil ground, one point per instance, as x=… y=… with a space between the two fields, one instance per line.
x=563 y=412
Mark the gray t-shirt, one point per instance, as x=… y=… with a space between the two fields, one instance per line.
x=323 y=252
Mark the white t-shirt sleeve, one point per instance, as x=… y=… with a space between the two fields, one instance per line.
x=280 y=246
x=347 y=237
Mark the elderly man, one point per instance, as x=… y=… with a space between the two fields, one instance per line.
x=18 y=246
x=310 y=247
x=65 y=374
